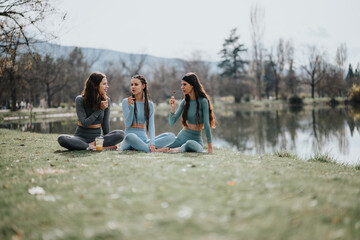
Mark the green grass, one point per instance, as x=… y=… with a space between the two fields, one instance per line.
x=117 y=195
x=285 y=154
x=322 y=157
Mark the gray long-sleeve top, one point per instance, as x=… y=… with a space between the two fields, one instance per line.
x=88 y=116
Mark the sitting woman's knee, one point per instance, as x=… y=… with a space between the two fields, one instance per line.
x=120 y=134
x=62 y=139
x=130 y=137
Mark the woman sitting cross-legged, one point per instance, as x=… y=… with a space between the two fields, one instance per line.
x=138 y=113
x=93 y=112
x=196 y=113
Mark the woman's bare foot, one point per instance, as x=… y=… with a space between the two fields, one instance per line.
x=174 y=150
x=110 y=148
x=163 y=149
x=92 y=146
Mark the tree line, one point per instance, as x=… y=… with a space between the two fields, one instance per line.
x=245 y=72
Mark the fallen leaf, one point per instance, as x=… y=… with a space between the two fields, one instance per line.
x=67 y=160
x=37 y=152
x=335 y=220
x=231 y=183
x=6 y=186
x=115 y=164
x=36 y=191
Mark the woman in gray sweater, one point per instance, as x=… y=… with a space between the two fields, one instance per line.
x=93 y=111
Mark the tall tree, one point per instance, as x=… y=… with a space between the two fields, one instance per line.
x=350 y=76
x=290 y=79
x=20 y=16
x=269 y=76
x=233 y=64
x=278 y=66
x=341 y=56
x=196 y=63
x=257 y=15
x=314 y=69
x=134 y=64
x=333 y=84
x=20 y=23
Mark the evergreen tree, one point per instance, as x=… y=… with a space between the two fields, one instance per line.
x=232 y=63
x=233 y=66
x=349 y=80
x=269 y=77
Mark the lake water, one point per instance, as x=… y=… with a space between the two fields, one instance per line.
x=304 y=131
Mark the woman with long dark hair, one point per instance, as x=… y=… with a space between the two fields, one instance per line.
x=138 y=113
x=93 y=112
x=196 y=113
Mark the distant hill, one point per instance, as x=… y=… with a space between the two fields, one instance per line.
x=102 y=57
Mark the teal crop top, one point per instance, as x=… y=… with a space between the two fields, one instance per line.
x=191 y=115
x=129 y=116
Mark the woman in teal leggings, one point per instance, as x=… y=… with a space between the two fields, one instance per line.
x=138 y=113
x=196 y=113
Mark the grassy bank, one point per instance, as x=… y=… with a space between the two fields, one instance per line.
x=117 y=195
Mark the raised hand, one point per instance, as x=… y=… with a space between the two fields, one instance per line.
x=104 y=105
x=172 y=103
x=130 y=101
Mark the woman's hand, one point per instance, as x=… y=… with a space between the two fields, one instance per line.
x=210 y=149
x=172 y=103
x=104 y=105
x=130 y=101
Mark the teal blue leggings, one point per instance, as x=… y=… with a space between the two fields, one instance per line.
x=188 y=141
x=137 y=139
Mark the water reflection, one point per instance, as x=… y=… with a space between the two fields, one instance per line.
x=303 y=131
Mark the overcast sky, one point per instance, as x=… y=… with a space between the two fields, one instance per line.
x=176 y=29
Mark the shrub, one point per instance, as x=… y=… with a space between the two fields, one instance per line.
x=247 y=98
x=295 y=100
x=354 y=94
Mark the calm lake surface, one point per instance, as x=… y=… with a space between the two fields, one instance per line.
x=303 y=131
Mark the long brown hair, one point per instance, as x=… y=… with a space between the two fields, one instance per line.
x=199 y=90
x=91 y=94
x=146 y=100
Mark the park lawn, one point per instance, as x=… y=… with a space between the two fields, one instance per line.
x=131 y=195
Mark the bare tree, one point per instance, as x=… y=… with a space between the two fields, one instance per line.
x=279 y=65
x=119 y=88
x=196 y=63
x=332 y=84
x=20 y=23
x=257 y=27
x=133 y=64
x=341 y=57
x=25 y=18
x=314 y=69
x=290 y=80
x=165 y=83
